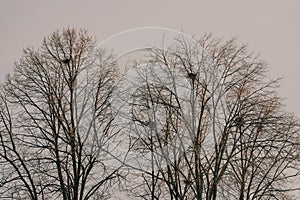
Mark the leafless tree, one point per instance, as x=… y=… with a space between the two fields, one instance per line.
x=56 y=121
x=202 y=123
x=208 y=125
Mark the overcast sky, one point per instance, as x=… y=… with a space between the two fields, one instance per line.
x=270 y=27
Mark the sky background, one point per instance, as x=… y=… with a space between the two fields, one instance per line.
x=269 y=27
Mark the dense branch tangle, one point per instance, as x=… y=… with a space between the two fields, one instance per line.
x=202 y=123
x=214 y=127
x=56 y=120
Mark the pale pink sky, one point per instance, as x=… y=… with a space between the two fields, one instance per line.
x=271 y=27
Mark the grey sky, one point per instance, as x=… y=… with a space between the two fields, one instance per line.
x=271 y=27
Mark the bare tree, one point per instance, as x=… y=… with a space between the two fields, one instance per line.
x=202 y=123
x=209 y=125
x=56 y=121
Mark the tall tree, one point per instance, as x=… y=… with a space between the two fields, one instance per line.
x=56 y=121
x=208 y=125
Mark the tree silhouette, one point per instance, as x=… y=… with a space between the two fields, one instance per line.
x=219 y=129
x=197 y=120
x=56 y=121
